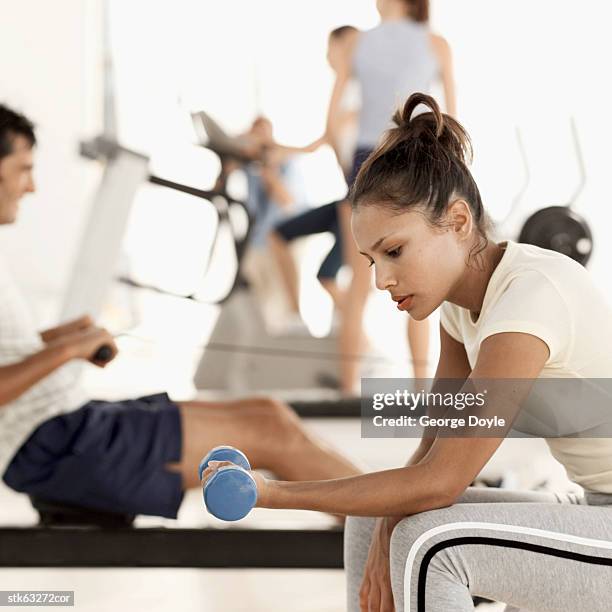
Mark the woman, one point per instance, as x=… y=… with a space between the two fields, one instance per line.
x=508 y=311
x=323 y=218
x=389 y=62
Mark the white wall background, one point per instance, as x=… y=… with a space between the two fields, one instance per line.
x=518 y=62
x=48 y=66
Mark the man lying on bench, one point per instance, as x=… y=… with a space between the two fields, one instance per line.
x=136 y=456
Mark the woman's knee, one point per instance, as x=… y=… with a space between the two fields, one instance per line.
x=412 y=532
x=415 y=535
x=403 y=541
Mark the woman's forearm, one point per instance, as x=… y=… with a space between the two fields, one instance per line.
x=397 y=492
x=309 y=148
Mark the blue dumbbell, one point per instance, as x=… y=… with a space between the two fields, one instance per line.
x=231 y=492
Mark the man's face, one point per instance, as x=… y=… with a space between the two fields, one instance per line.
x=15 y=178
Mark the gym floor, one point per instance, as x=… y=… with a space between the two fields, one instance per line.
x=524 y=463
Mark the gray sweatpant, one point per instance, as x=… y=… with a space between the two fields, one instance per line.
x=535 y=551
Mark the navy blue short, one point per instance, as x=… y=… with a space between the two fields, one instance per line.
x=105 y=456
x=359 y=157
x=323 y=219
x=316 y=221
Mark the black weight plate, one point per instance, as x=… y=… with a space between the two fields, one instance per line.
x=560 y=229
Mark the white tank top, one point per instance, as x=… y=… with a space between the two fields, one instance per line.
x=391 y=62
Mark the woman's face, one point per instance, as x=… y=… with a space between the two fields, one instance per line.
x=419 y=265
x=261 y=129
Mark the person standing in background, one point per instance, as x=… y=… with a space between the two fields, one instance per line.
x=398 y=57
x=390 y=62
x=322 y=218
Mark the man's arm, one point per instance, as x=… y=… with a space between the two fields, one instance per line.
x=49 y=335
x=17 y=378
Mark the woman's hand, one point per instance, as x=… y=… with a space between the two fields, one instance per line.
x=261 y=482
x=376 y=594
x=316 y=144
x=283 y=150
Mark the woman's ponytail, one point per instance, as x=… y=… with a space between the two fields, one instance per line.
x=419 y=10
x=422 y=161
x=432 y=129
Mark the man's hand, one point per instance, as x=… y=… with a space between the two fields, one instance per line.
x=84 y=343
x=376 y=594
x=79 y=324
x=17 y=378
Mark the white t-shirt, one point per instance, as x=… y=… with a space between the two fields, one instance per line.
x=550 y=296
x=59 y=392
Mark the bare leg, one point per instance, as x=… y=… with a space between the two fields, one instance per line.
x=351 y=337
x=337 y=295
x=418 y=341
x=288 y=270
x=270 y=434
